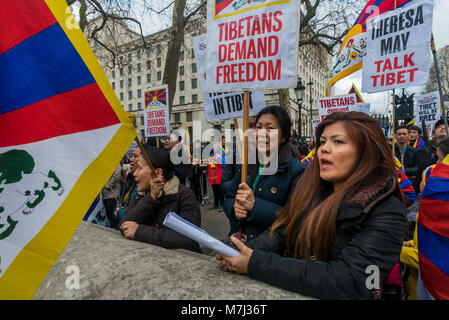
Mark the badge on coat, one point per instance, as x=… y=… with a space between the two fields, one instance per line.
x=274 y=190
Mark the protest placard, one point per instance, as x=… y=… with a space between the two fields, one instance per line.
x=252 y=44
x=428 y=108
x=329 y=105
x=156 y=114
x=398 y=43
x=133 y=146
x=222 y=105
x=364 y=107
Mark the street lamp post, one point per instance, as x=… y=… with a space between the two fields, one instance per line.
x=311 y=101
x=299 y=92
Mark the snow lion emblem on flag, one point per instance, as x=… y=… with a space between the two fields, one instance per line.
x=24 y=188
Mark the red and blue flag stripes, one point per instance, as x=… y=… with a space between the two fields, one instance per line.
x=376 y=7
x=419 y=143
x=220 y=5
x=433 y=233
x=44 y=78
x=406 y=185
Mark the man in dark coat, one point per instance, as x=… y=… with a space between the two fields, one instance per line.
x=164 y=194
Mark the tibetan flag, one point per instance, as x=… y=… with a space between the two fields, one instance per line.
x=419 y=143
x=353 y=48
x=433 y=232
x=309 y=158
x=62 y=133
x=357 y=94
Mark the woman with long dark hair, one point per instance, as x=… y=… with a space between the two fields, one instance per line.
x=341 y=232
x=251 y=207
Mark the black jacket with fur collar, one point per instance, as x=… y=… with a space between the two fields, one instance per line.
x=370 y=230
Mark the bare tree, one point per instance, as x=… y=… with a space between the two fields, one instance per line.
x=443 y=64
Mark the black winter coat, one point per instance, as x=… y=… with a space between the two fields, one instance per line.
x=271 y=194
x=150 y=215
x=368 y=233
x=410 y=163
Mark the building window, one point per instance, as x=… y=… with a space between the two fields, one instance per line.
x=130 y=69
x=121 y=59
x=193 y=51
x=130 y=95
x=193 y=67
x=139 y=93
x=148 y=64
x=181 y=70
x=158 y=49
x=142 y=133
x=130 y=107
x=148 y=77
x=182 y=100
x=177 y=117
x=139 y=67
x=113 y=74
x=129 y=57
x=139 y=80
x=217 y=127
x=121 y=71
x=130 y=83
x=121 y=84
x=139 y=56
x=194 y=83
x=113 y=85
x=181 y=86
x=147 y=50
x=159 y=62
x=139 y=105
x=142 y=121
x=121 y=96
x=189 y=116
x=159 y=76
x=181 y=56
x=194 y=98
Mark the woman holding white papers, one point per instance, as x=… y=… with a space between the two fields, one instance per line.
x=342 y=230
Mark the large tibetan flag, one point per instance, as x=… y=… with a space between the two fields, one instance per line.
x=353 y=48
x=62 y=134
x=433 y=232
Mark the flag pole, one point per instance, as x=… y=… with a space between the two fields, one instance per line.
x=437 y=71
x=394 y=108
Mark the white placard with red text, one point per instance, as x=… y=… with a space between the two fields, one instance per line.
x=252 y=44
x=156 y=113
x=222 y=105
x=398 y=48
x=329 y=105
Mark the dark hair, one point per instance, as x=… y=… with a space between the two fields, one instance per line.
x=152 y=141
x=400 y=127
x=285 y=125
x=303 y=149
x=444 y=146
x=310 y=225
x=416 y=128
x=160 y=158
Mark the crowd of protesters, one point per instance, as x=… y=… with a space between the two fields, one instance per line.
x=335 y=206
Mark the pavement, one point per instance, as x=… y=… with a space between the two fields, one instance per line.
x=214 y=221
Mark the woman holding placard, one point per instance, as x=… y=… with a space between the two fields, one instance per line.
x=251 y=207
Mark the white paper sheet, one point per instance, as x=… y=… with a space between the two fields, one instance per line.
x=175 y=222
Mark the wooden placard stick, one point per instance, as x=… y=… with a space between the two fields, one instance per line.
x=245 y=136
